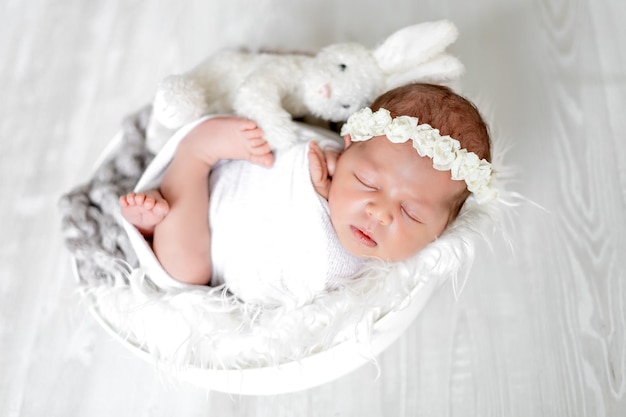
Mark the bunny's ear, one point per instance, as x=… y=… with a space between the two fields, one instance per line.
x=414 y=45
x=439 y=70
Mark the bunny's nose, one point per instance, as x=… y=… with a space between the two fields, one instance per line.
x=325 y=91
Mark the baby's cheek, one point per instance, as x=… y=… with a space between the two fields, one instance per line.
x=413 y=240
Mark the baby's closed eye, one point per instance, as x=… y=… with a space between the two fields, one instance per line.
x=366 y=182
x=411 y=214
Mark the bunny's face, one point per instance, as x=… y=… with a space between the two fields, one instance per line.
x=340 y=80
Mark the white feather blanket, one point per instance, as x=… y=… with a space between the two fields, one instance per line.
x=207 y=328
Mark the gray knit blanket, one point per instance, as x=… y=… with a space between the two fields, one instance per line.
x=89 y=212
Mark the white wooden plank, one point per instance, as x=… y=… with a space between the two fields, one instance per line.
x=539 y=332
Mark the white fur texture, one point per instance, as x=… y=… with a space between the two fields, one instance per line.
x=211 y=329
x=273 y=88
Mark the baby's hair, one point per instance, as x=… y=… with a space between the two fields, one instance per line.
x=445 y=110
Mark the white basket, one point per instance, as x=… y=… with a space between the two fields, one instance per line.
x=316 y=369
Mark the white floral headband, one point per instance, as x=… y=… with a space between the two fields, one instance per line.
x=446 y=152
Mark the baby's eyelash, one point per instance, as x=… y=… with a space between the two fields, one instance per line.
x=365 y=183
x=411 y=216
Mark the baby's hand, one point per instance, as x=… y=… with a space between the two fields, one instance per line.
x=321 y=167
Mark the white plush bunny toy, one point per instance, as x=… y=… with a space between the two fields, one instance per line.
x=271 y=89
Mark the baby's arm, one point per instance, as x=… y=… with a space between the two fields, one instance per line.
x=322 y=167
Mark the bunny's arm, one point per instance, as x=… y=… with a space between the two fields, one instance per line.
x=266 y=92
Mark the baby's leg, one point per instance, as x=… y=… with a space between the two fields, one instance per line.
x=144 y=210
x=182 y=240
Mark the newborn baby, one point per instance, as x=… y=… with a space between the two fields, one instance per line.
x=383 y=196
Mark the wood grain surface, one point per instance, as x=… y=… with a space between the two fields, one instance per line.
x=540 y=329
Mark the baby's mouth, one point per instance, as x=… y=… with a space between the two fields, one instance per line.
x=363 y=237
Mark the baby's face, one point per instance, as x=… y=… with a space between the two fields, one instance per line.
x=388 y=202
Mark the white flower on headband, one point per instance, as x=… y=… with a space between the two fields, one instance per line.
x=400 y=129
x=446 y=152
x=367 y=124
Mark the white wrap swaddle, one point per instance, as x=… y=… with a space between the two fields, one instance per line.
x=271 y=232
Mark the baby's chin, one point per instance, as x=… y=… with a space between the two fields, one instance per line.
x=379 y=255
x=374 y=255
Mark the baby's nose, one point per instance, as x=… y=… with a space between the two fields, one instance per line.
x=380 y=213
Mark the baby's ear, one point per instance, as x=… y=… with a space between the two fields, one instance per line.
x=346 y=142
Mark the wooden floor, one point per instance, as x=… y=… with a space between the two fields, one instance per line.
x=538 y=331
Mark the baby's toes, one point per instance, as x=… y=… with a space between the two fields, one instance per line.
x=127 y=199
x=139 y=199
x=123 y=201
x=149 y=203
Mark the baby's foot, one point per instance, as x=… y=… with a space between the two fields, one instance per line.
x=229 y=138
x=144 y=210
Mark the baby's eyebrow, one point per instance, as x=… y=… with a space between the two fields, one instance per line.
x=367 y=171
